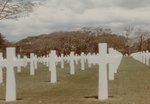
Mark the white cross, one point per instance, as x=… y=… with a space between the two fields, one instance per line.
x=62 y=61
x=72 y=66
x=1 y=71
x=76 y=59
x=89 y=55
x=52 y=66
x=31 y=60
x=10 y=62
x=102 y=59
x=19 y=67
x=147 y=56
x=82 y=61
x=143 y=57
x=114 y=66
x=35 y=61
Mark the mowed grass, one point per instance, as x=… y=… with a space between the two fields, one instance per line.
x=131 y=85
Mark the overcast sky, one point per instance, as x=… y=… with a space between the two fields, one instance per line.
x=58 y=15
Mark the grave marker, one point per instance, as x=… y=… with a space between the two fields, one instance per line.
x=10 y=75
x=62 y=61
x=32 y=71
x=103 y=83
x=147 y=57
x=35 y=61
x=102 y=59
x=82 y=61
x=72 y=66
x=52 y=66
x=1 y=68
x=18 y=67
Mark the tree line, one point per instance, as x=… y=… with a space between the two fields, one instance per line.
x=64 y=42
x=77 y=41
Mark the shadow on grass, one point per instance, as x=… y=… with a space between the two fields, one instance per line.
x=95 y=97
x=18 y=99
x=48 y=81
x=91 y=97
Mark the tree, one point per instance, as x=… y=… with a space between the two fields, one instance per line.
x=3 y=43
x=141 y=35
x=12 y=9
x=128 y=31
x=148 y=45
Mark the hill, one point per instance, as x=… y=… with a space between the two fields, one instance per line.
x=64 y=42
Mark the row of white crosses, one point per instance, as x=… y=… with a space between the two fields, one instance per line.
x=12 y=61
x=50 y=61
x=143 y=57
x=73 y=59
x=102 y=59
x=113 y=59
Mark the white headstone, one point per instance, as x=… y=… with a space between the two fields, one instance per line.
x=10 y=75
x=76 y=59
x=32 y=71
x=89 y=64
x=143 y=57
x=103 y=59
x=82 y=61
x=147 y=58
x=35 y=61
x=1 y=71
x=62 y=61
x=72 y=67
x=25 y=60
x=103 y=82
x=47 y=63
x=18 y=67
x=52 y=66
x=112 y=66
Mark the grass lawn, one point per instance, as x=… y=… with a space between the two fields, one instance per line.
x=131 y=86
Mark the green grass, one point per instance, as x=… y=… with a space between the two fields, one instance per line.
x=131 y=86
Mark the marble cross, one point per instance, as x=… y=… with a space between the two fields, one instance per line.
x=102 y=59
x=10 y=62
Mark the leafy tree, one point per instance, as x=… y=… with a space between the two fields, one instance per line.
x=142 y=37
x=128 y=31
x=148 y=45
x=65 y=42
x=3 y=43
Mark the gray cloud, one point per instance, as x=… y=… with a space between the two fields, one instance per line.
x=132 y=4
x=58 y=15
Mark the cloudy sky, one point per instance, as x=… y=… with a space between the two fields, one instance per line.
x=58 y=15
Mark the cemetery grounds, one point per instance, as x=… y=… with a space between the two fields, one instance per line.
x=131 y=85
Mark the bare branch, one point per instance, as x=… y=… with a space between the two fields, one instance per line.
x=128 y=29
x=3 y=7
x=11 y=9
